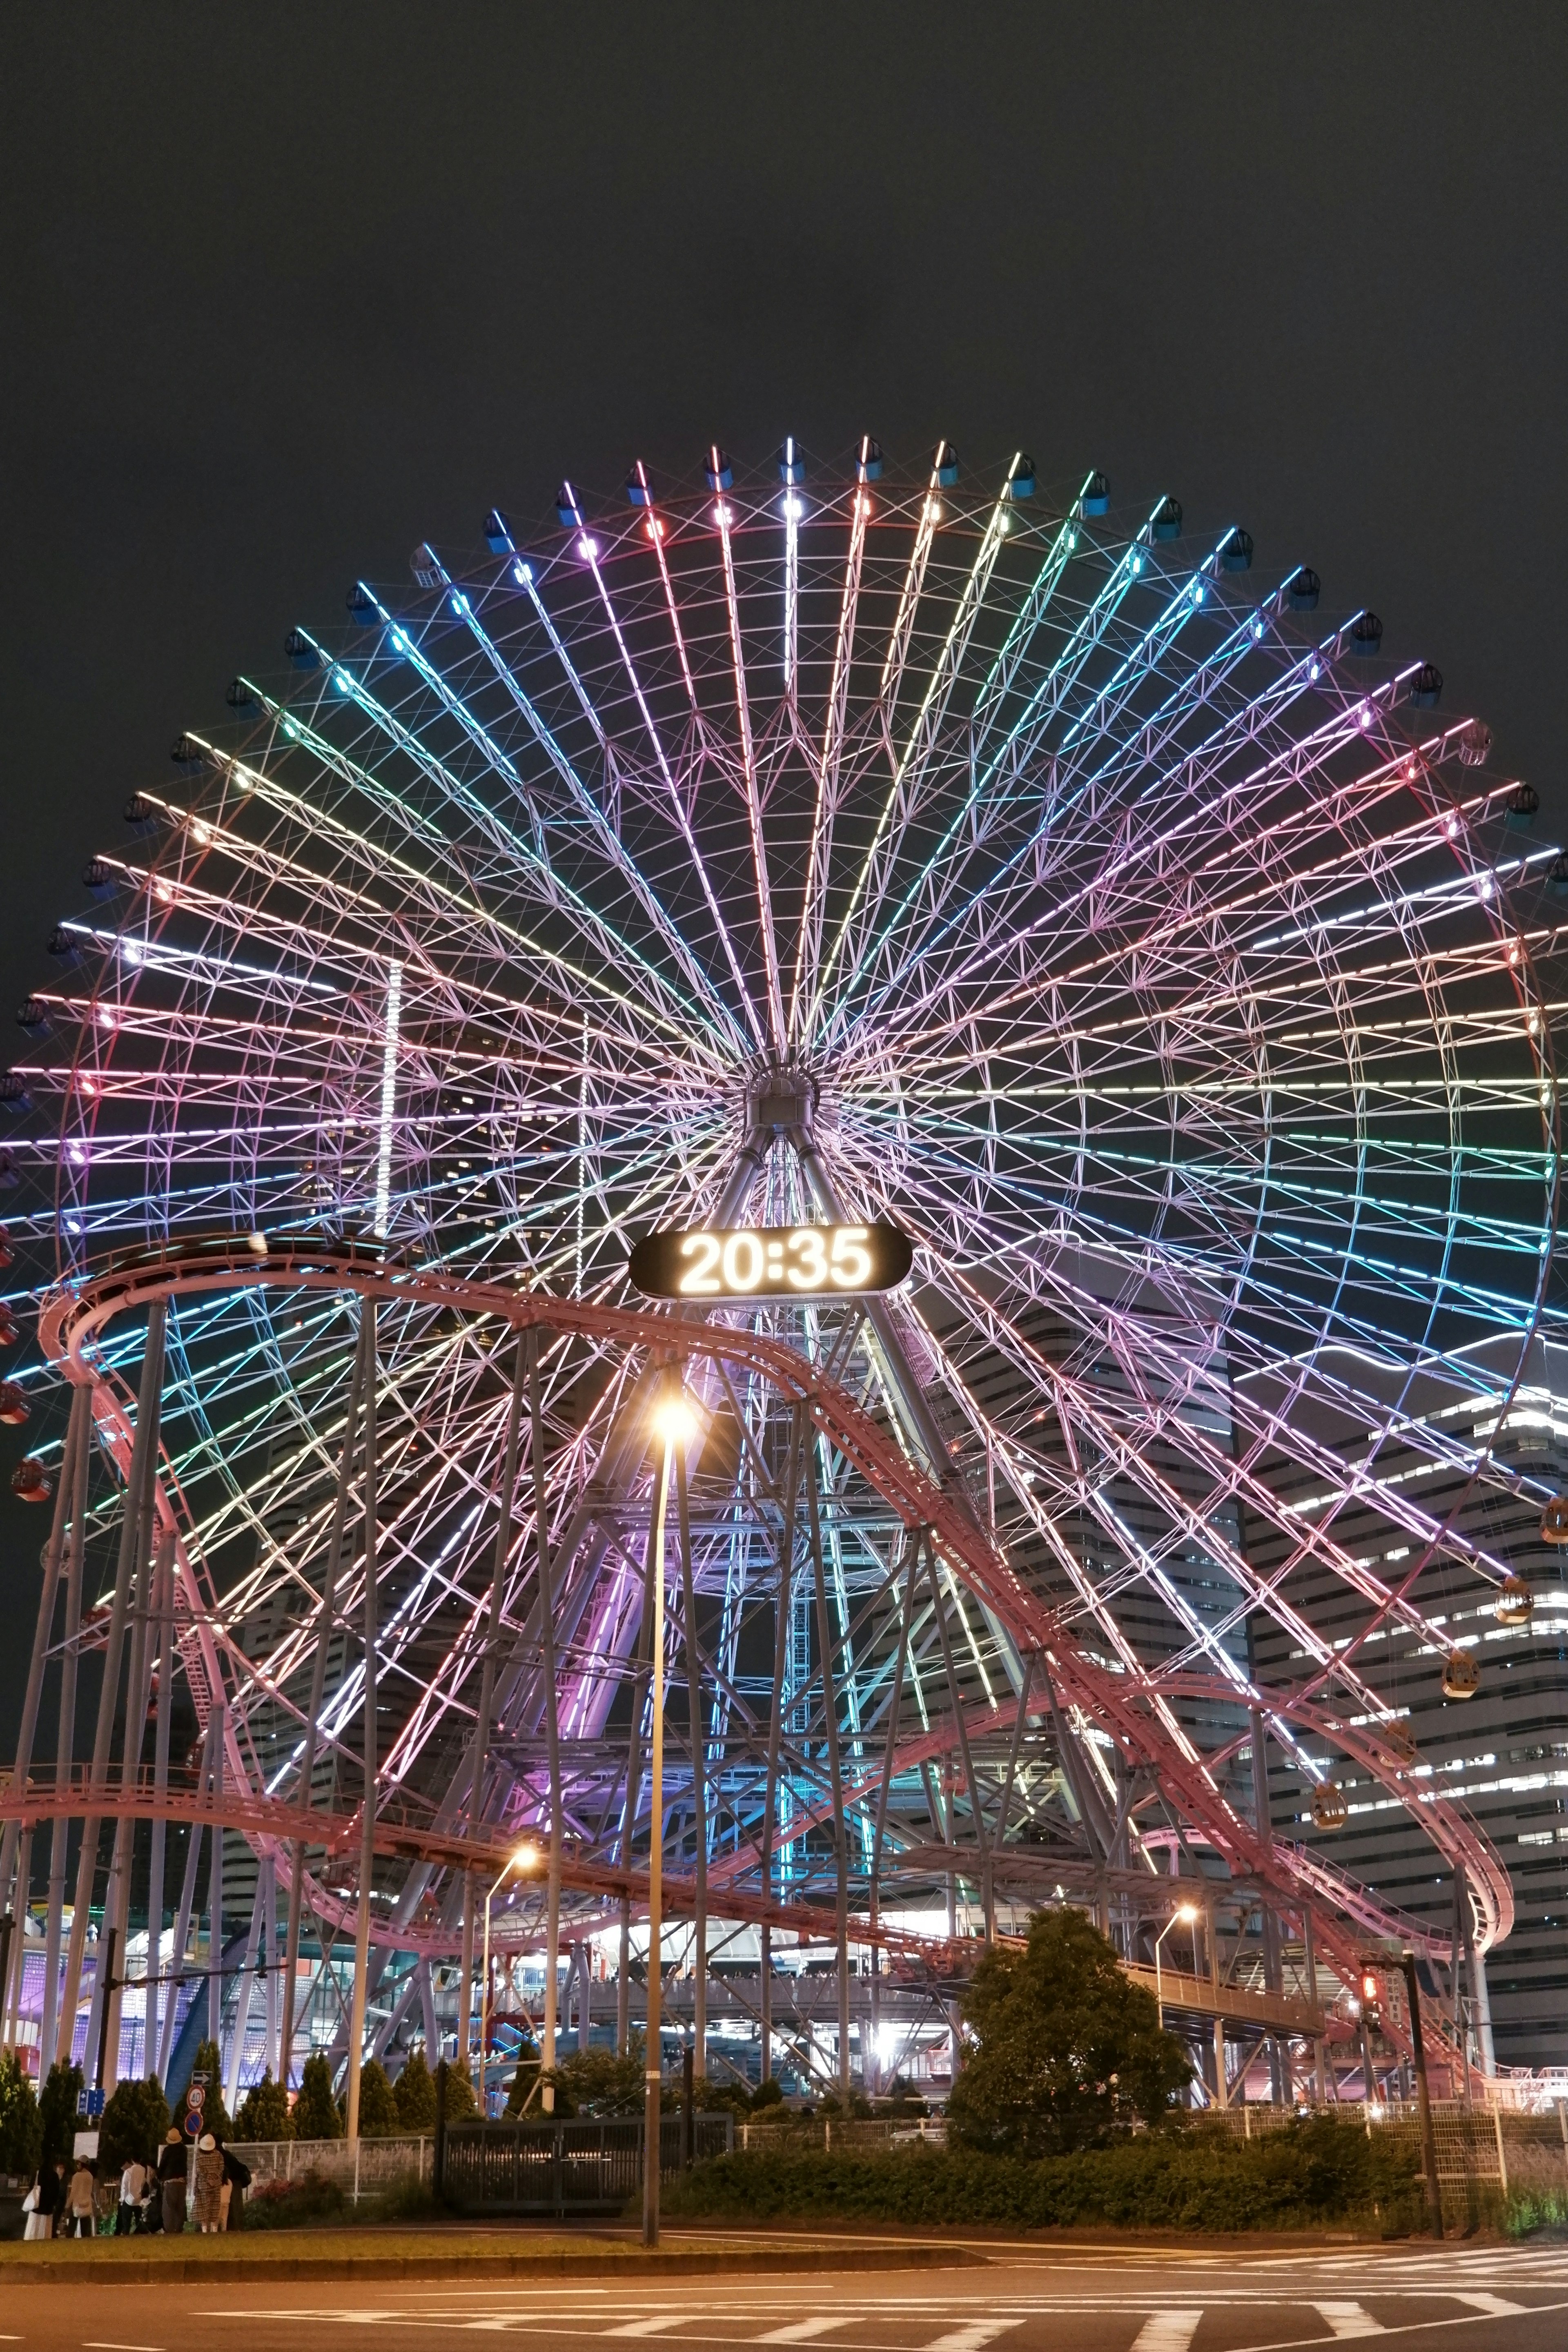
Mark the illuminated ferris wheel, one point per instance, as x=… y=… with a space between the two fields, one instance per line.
x=809 y=848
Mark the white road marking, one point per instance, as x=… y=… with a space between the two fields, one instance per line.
x=1350 y=2319
x=656 y=2326
x=979 y=2332
x=1167 y=2331
x=1496 y=2306
x=801 y=2331
x=91 y=2343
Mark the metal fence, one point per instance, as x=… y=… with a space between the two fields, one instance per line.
x=863 y=2135
x=1486 y=2154
x=581 y=2167
x=364 y=2170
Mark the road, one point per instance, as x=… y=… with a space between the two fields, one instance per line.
x=1023 y=2299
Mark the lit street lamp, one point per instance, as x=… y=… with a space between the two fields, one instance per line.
x=675 y=1422
x=525 y=1858
x=1183 y=1911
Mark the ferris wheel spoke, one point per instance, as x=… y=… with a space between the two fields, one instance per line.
x=724 y=521
x=870 y=881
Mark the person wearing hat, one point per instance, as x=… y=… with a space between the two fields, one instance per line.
x=210 y=2185
x=81 y=2200
x=173 y=2161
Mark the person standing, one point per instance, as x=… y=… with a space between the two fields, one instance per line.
x=173 y=2161
x=132 y=2180
x=80 y=2207
x=40 y=2202
x=235 y=2182
x=210 y=2185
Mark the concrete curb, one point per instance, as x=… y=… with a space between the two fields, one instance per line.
x=688 y=2263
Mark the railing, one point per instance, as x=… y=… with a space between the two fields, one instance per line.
x=1481 y=2149
x=364 y=2169
x=581 y=2167
x=855 y=2133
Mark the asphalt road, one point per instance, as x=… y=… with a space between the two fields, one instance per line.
x=1025 y=2299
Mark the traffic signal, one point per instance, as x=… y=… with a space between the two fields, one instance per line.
x=1371 y=2008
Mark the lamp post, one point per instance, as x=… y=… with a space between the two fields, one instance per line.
x=1183 y=1911
x=674 y=1423
x=525 y=1858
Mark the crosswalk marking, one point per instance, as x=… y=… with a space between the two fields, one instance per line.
x=1167 y=2331
x=801 y=2331
x=1350 y=2319
x=1496 y=2306
x=970 y=2339
x=658 y=2325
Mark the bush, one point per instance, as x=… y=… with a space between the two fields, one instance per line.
x=264 y=2112
x=595 y=2082
x=1069 y=2050
x=378 y=2117
x=295 y=2204
x=415 y=2092
x=57 y=2111
x=135 y=2118
x=21 y=2126
x=316 y=2113
x=1311 y=2173
x=215 y=2115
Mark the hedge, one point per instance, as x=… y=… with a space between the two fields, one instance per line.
x=1314 y=2172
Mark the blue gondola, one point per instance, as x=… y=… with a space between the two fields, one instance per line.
x=498 y=532
x=567 y=510
x=1366 y=635
x=791 y=464
x=1304 y=590
x=717 y=471
x=241 y=698
x=1168 y=519
x=1427 y=686
x=944 y=462
x=1021 y=483
x=140 y=814
x=301 y=650
x=1238 y=555
x=361 y=607
x=1095 y=500
x=1521 y=808
x=101 y=881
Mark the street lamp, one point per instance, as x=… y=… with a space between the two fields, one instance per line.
x=525 y=1858
x=1188 y=1912
x=675 y=1423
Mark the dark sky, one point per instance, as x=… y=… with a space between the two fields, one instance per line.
x=286 y=290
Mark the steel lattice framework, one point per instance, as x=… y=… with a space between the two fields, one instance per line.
x=1160 y=960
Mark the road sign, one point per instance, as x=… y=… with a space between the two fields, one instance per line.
x=196 y=2096
x=90 y=2104
x=193 y=2124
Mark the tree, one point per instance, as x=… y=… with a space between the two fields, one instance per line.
x=597 y=2082
x=264 y=2112
x=316 y=2113
x=21 y=2127
x=1069 y=2050
x=215 y=2115
x=378 y=2118
x=57 y=2111
x=415 y=2092
x=134 y=2122
x=460 y=2099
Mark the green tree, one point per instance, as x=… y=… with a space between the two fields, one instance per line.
x=135 y=2119
x=215 y=2115
x=768 y=2094
x=1069 y=2050
x=57 y=2111
x=378 y=2118
x=460 y=2099
x=264 y=2112
x=21 y=2127
x=415 y=2092
x=316 y=2113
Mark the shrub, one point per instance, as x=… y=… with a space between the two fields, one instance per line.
x=21 y=2126
x=316 y=2113
x=378 y=2117
x=597 y=2082
x=215 y=2115
x=294 y=2204
x=1310 y=2174
x=57 y=2111
x=1069 y=2048
x=264 y=2112
x=415 y=2092
x=135 y=2119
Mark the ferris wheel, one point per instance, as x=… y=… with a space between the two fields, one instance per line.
x=814 y=847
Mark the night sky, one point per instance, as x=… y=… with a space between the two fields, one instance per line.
x=288 y=289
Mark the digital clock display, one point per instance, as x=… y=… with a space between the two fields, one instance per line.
x=772 y=1262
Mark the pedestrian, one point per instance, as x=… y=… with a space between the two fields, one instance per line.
x=132 y=2180
x=54 y=2204
x=81 y=2201
x=173 y=2160
x=149 y=2214
x=209 y=2185
x=38 y=2205
x=235 y=2182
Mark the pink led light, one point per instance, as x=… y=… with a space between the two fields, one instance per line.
x=587 y=547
